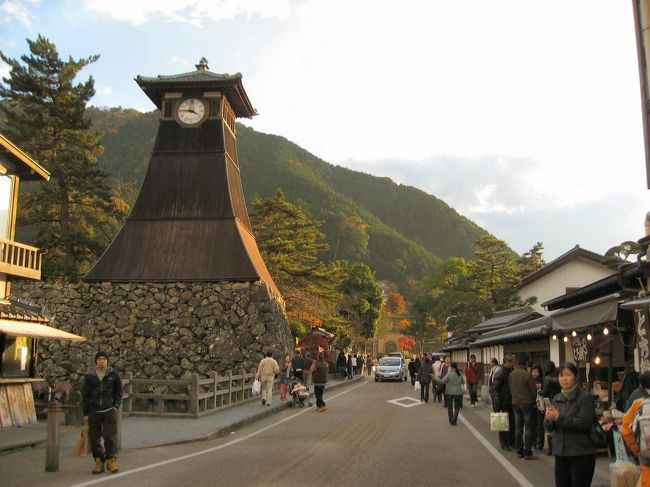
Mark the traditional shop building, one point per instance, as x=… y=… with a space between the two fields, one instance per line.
x=22 y=323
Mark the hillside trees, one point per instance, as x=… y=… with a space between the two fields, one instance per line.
x=75 y=214
x=362 y=299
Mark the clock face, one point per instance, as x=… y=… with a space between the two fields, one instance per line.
x=191 y=112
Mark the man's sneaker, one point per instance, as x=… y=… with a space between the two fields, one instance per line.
x=263 y=402
x=506 y=448
x=520 y=454
x=99 y=466
x=529 y=456
x=111 y=465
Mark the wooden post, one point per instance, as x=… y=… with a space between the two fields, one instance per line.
x=214 y=375
x=243 y=384
x=128 y=404
x=118 y=436
x=194 y=395
x=230 y=387
x=54 y=415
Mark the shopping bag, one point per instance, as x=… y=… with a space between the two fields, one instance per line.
x=82 y=448
x=499 y=422
x=417 y=385
x=257 y=388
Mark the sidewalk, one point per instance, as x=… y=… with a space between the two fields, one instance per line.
x=148 y=432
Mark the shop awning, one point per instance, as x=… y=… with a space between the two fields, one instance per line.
x=36 y=330
x=597 y=311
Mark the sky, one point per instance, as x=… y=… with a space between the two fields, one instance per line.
x=524 y=116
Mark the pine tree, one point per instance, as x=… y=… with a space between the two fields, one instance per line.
x=74 y=214
x=362 y=300
x=290 y=243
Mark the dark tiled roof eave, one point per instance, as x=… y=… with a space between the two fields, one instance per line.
x=523 y=331
x=19 y=310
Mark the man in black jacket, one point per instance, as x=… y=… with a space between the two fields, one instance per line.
x=502 y=401
x=102 y=396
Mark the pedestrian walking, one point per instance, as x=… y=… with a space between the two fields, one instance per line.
x=538 y=416
x=285 y=377
x=297 y=366
x=570 y=417
x=414 y=368
x=454 y=382
x=306 y=371
x=550 y=388
x=523 y=392
x=360 y=363
x=101 y=397
x=502 y=401
x=266 y=371
x=355 y=370
x=424 y=378
x=472 y=375
x=319 y=371
x=444 y=369
x=342 y=364
x=369 y=364
x=350 y=366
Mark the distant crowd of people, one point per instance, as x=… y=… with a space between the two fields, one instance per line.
x=350 y=364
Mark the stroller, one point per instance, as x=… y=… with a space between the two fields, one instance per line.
x=299 y=394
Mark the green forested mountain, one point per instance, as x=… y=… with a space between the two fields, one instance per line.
x=400 y=231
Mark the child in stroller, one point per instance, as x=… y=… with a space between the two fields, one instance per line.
x=299 y=394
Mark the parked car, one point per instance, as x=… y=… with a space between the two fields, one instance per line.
x=396 y=354
x=391 y=368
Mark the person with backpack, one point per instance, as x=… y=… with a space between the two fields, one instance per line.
x=424 y=378
x=570 y=417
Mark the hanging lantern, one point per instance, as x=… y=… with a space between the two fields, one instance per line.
x=589 y=337
x=565 y=339
x=597 y=360
x=605 y=331
x=574 y=334
x=554 y=337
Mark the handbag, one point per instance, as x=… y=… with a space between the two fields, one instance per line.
x=417 y=386
x=440 y=388
x=598 y=435
x=82 y=448
x=539 y=402
x=257 y=388
x=499 y=422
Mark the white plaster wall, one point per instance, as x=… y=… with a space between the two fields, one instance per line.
x=575 y=273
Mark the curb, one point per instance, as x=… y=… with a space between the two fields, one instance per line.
x=226 y=430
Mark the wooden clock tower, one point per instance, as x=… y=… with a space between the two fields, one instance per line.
x=189 y=222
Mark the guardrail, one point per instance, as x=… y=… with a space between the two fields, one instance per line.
x=188 y=397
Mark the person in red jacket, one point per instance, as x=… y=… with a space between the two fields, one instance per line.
x=472 y=374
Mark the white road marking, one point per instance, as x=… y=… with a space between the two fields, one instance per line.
x=210 y=450
x=402 y=401
x=510 y=468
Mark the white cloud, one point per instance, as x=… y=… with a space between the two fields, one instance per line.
x=17 y=10
x=103 y=89
x=177 y=60
x=5 y=69
x=190 y=11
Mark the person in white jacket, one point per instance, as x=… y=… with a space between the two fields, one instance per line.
x=266 y=371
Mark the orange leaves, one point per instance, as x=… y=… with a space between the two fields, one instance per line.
x=402 y=324
x=406 y=343
x=395 y=303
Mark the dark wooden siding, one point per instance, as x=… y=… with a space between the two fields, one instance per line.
x=172 y=137
x=237 y=196
x=188 y=186
x=176 y=250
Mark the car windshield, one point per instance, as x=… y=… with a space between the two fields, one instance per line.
x=390 y=361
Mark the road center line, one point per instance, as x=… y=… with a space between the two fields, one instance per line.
x=210 y=450
x=516 y=474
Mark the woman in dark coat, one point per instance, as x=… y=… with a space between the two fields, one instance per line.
x=538 y=438
x=341 y=364
x=424 y=378
x=570 y=417
x=414 y=367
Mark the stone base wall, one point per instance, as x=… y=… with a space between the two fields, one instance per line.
x=159 y=330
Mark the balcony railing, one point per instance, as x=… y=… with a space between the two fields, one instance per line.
x=18 y=259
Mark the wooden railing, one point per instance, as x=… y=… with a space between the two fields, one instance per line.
x=188 y=397
x=18 y=259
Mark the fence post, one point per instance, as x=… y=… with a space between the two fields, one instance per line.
x=54 y=415
x=118 y=436
x=194 y=395
x=128 y=404
x=214 y=375
x=230 y=387
x=243 y=384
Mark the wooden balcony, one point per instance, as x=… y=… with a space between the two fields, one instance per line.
x=21 y=260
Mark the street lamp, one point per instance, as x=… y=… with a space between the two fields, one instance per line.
x=447 y=323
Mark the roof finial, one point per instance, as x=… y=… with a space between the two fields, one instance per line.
x=203 y=65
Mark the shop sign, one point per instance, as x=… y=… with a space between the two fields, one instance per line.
x=642 y=322
x=580 y=349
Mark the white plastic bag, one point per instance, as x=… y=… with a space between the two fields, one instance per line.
x=257 y=388
x=499 y=422
x=417 y=385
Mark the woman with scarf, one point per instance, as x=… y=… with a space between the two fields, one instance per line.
x=570 y=417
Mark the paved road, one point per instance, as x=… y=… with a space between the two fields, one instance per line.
x=362 y=439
